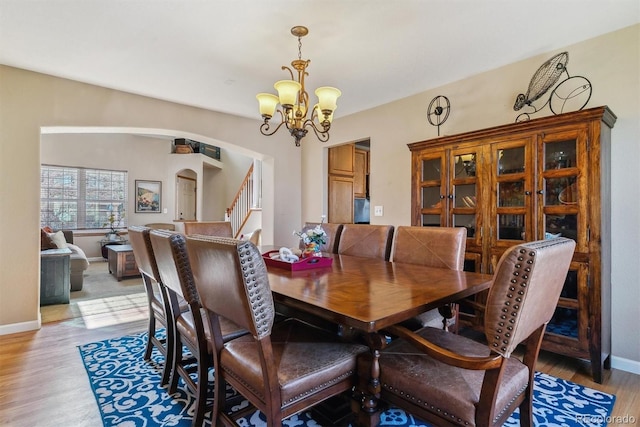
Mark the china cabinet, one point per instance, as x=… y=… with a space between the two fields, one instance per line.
x=526 y=181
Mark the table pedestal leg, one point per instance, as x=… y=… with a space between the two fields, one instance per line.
x=367 y=393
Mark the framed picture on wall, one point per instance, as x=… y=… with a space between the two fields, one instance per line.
x=148 y=196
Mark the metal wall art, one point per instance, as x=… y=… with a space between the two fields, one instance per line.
x=438 y=111
x=571 y=94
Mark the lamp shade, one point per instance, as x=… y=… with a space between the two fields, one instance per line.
x=287 y=91
x=327 y=97
x=268 y=103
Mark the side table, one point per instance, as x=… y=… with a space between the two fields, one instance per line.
x=108 y=242
x=122 y=263
x=55 y=279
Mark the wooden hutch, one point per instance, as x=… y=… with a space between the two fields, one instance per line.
x=528 y=181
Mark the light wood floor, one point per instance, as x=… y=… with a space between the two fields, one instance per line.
x=43 y=382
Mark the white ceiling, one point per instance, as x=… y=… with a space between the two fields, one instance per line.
x=217 y=54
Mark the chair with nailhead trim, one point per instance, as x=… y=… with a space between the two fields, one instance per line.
x=190 y=326
x=450 y=380
x=280 y=369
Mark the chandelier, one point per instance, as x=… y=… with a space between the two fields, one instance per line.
x=294 y=101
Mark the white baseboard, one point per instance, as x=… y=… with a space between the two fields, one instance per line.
x=96 y=259
x=14 y=328
x=628 y=365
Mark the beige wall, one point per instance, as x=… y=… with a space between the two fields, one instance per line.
x=29 y=101
x=611 y=62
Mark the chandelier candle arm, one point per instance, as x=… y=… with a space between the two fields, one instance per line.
x=294 y=101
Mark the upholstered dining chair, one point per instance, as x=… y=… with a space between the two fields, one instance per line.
x=281 y=369
x=333 y=235
x=159 y=311
x=450 y=380
x=366 y=240
x=191 y=327
x=441 y=247
x=208 y=228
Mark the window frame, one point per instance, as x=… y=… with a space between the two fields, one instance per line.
x=79 y=198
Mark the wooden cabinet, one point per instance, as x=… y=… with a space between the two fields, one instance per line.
x=341 y=182
x=341 y=160
x=360 y=173
x=530 y=181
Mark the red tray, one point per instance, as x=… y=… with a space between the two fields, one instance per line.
x=303 y=264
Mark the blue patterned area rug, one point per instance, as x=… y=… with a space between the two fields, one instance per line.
x=129 y=395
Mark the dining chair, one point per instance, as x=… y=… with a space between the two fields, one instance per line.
x=254 y=236
x=157 y=299
x=282 y=368
x=208 y=228
x=333 y=235
x=161 y=226
x=441 y=247
x=191 y=327
x=366 y=240
x=450 y=380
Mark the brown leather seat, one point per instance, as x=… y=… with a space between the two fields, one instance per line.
x=191 y=327
x=333 y=235
x=209 y=228
x=441 y=247
x=448 y=379
x=366 y=240
x=282 y=369
x=159 y=311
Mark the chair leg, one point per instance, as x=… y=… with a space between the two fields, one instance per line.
x=526 y=409
x=176 y=357
x=151 y=332
x=201 y=390
x=169 y=355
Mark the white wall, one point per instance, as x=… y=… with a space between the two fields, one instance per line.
x=612 y=64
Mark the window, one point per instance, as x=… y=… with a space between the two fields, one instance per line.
x=78 y=198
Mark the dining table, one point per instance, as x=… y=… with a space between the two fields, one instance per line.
x=369 y=295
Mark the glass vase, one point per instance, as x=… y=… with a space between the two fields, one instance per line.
x=311 y=250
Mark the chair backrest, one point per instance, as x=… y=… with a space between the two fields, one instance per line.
x=209 y=228
x=254 y=236
x=525 y=290
x=143 y=252
x=365 y=240
x=173 y=263
x=161 y=226
x=441 y=247
x=333 y=235
x=229 y=273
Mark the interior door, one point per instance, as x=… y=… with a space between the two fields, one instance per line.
x=186 y=189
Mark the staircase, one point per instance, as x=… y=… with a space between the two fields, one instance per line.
x=246 y=202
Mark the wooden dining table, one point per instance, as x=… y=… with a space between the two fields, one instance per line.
x=369 y=295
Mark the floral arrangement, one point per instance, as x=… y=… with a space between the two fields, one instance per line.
x=313 y=238
x=315 y=235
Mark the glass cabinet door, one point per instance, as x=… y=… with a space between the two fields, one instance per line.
x=559 y=187
x=431 y=185
x=464 y=203
x=512 y=203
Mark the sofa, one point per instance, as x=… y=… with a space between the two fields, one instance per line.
x=78 y=260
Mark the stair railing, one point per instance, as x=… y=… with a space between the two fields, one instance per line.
x=240 y=209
